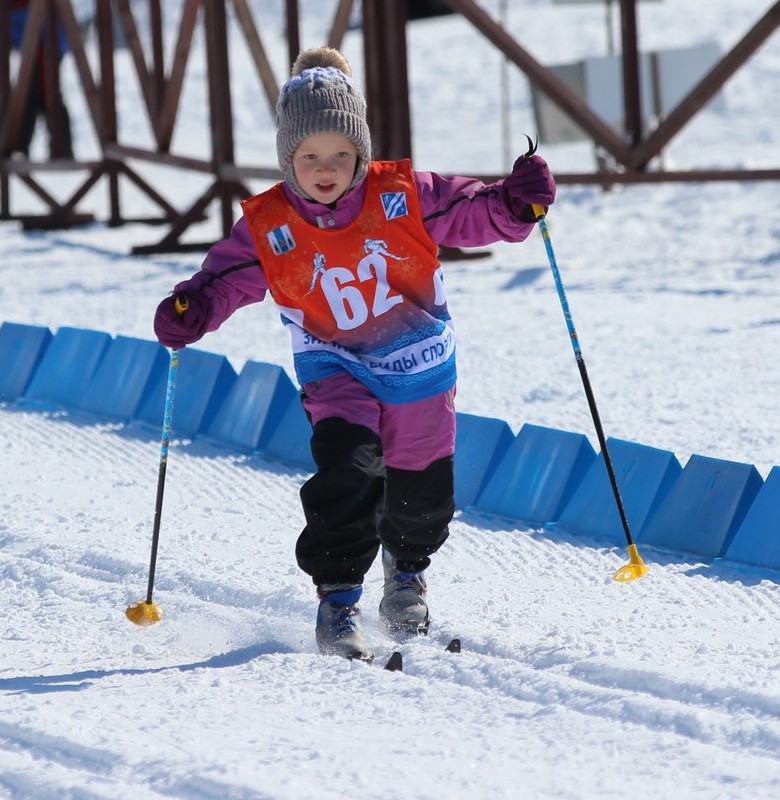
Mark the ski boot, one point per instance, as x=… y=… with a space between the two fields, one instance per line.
x=339 y=630
x=403 y=608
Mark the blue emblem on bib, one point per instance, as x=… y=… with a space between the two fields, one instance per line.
x=281 y=240
x=394 y=204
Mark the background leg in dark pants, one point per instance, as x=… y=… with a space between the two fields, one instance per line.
x=419 y=507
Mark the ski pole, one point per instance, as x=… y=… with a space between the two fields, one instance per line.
x=145 y=612
x=636 y=568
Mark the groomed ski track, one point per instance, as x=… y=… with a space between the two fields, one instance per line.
x=561 y=665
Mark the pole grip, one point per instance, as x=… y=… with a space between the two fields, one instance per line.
x=181 y=304
x=538 y=210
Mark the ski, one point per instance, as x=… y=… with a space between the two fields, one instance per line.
x=396 y=661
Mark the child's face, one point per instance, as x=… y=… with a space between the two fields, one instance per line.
x=324 y=165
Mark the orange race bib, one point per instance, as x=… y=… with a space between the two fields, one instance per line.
x=368 y=297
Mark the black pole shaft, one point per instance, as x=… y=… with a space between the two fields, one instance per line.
x=594 y=412
x=156 y=526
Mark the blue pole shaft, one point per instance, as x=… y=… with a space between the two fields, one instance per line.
x=575 y=342
x=166 y=436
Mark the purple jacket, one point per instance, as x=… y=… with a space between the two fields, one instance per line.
x=457 y=212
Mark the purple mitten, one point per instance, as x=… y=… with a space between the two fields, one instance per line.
x=176 y=329
x=529 y=183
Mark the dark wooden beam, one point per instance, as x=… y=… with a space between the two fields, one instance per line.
x=387 y=85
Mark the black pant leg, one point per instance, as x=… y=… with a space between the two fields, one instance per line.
x=419 y=507
x=60 y=138
x=32 y=110
x=342 y=503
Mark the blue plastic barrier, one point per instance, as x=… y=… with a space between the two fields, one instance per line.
x=255 y=405
x=480 y=444
x=203 y=382
x=537 y=475
x=21 y=350
x=290 y=441
x=543 y=476
x=124 y=377
x=644 y=476
x=704 y=508
x=757 y=540
x=66 y=369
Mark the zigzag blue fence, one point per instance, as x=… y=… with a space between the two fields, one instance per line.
x=544 y=477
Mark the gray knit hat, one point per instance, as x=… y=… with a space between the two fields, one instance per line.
x=320 y=97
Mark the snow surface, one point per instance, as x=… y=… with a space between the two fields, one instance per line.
x=570 y=685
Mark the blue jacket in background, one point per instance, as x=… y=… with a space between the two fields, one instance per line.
x=18 y=20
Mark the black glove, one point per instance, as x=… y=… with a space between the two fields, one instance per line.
x=529 y=183
x=181 y=319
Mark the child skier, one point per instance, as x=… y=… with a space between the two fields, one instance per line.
x=347 y=247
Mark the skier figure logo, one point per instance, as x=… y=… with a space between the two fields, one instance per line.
x=379 y=247
x=319 y=269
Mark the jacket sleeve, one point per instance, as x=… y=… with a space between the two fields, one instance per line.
x=465 y=212
x=231 y=276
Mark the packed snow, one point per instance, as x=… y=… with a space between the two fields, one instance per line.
x=570 y=685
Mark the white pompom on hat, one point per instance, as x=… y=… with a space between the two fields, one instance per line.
x=320 y=97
